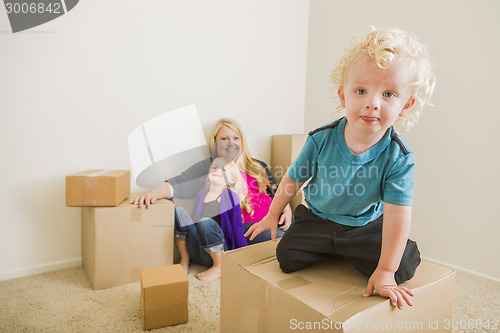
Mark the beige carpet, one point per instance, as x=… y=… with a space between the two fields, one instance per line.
x=63 y=301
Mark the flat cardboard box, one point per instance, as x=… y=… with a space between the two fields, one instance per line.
x=284 y=150
x=256 y=296
x=117 y=242
x=95 y=188
x=164 y=296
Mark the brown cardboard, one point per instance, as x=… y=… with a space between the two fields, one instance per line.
x=284 y=150
x=94 y=188
x=164 y=296
x=256 y=296
x=117 y=242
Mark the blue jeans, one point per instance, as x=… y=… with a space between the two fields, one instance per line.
x=201 y=238
x=263 y=236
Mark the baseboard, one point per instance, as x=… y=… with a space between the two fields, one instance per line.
x=461 y=269
x=27 y=271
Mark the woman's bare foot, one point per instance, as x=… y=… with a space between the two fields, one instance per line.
x=211 y=274
x=184 y=262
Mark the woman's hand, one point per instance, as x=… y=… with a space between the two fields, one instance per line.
x=286 y=218
x=269 y=222
x=145 y=199
x=164 y=190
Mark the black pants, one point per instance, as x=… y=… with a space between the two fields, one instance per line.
x=311 y=239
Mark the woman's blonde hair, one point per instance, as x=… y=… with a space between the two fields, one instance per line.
x=238 y=184
x=244 y=161
x=383 y=46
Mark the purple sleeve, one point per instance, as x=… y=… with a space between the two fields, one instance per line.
x=236 y=222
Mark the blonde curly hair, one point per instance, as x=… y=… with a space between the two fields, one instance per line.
x=383 y=46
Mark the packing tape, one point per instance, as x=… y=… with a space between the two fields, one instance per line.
x=87 y=192
x=89 y=202
x=90 y=183
x=292 y=283
x=98 y=173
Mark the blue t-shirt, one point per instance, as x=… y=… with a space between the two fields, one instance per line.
x=350 y=188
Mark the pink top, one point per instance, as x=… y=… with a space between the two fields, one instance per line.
x=260 y=202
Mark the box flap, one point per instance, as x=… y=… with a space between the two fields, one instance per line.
x=253 y=254
x=158 y=276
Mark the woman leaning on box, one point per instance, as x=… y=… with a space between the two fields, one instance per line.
x=226 y=140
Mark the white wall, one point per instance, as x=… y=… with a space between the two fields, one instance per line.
x=456 y=143
x=72 y=90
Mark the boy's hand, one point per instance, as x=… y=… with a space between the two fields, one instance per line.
x=269 y=222
x=285 y=218
x=384 y=284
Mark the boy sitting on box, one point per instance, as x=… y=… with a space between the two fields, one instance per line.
x=361 y=172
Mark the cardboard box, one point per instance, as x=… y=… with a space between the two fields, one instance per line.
x=297 y=200
x=284 y=150
x=117 y=242
x=94 y=188
x=256 y=296
x=164 y=296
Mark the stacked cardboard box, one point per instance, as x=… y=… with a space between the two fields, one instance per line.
x=118 y=239
x=256 y=296
x=117 y=242
x=284 y=150
x=97 y=188
x=164 y=296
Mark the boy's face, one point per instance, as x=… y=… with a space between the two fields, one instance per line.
x=374 y=98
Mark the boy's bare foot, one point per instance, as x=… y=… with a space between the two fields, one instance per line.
x=210 y=274
x=184 y=262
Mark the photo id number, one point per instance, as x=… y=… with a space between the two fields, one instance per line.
x=33 y=8
x=475 y=324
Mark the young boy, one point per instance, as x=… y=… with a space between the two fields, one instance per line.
x=361 y=172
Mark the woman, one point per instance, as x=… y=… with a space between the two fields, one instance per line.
x=227 y=140
x=215 y=223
